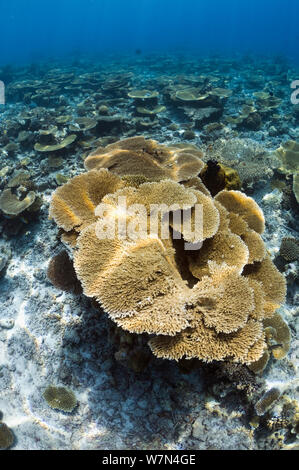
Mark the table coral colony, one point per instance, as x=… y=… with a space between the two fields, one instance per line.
x=217 y=302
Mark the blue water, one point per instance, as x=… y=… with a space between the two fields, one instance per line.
x=33 y=30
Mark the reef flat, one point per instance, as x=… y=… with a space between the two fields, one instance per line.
x=69 y=379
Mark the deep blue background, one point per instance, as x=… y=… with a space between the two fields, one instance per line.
x=37 y=29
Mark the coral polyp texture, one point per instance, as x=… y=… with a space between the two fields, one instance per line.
x=211 y=300
x=137 y=156
x=60 y=398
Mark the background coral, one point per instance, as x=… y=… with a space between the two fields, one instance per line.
x=267 y=400
x=288 y=153
x=10 y=204
x=289 y=249
x=61 y=273
x=217 y=176
x=60 y=398
x=137 y=156
x=6 y=437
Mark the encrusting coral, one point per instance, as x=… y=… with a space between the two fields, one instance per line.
x=137 y=156
x=289 y=249
x=217 y=177
x=6 y=437
x=208 y=300
x=266 y=401
x=278 y=336
x=10 y=204
x=61 y=273
x=288 y=153
x=60 y=398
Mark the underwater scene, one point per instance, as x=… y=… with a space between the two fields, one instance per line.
x=149 y=225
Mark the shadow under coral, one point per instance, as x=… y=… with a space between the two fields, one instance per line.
x=146 y=409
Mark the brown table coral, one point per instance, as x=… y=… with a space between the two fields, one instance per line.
x=208 y=299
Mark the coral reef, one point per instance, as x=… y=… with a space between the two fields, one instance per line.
x=137 y=156
x=10 y=204
x=278 y=336
x=288 y=153
x=216 y=177
x=128 y=398
x=289 y=249
x=246 y=156
x=6 y=437
x=61 y=273
x=208 y=303
x=266 y=401
x=60 y=398
x=53 y=148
